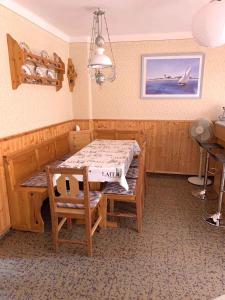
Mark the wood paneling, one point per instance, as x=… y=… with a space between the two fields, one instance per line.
x=21 y=141
x=170 y=149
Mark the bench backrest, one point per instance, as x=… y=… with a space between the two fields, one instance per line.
x=21 y=164
x=46 y=153
x=62 y=145
x=127 y=135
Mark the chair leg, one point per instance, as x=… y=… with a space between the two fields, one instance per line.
x=102 y=211
x=55 y=233
x=143 y=196
x=111 y=205
x=89 y=247
x=69 y=223
x=89 y=239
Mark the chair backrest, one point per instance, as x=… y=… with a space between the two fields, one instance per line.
x=118 y=134
x=141 y=138
x=68 y=187
x=105 y=134
x=127 y=134
x=79 y=139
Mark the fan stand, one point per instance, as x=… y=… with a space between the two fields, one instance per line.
x=199 y=180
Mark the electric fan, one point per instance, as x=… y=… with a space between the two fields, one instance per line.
x=201 y=130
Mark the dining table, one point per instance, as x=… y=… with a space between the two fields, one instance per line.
x=107 y=160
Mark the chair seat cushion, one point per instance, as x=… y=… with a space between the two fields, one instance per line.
x=39 y=179
x=134 y=163
x=60 y=160
x=116 y=188
x=132 y=173
x=95 y=197
x=36 y=180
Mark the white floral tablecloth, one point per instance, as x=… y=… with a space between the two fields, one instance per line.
x=107 y=160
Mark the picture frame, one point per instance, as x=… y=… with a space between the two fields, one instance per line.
x=172 y=76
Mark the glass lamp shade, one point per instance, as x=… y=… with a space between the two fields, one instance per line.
x=208 y=26
x=100 y=60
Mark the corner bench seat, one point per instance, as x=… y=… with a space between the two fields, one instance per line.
x=27 y=183
x=39 y=179
x=36 y=180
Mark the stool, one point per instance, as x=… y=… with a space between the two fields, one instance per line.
x=216 y=218
x=204 y=193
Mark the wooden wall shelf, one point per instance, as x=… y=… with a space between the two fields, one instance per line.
x=19 y=57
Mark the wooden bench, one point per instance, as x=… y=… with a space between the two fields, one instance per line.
x=26 y=196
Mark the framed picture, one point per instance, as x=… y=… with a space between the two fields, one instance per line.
x=172 y=76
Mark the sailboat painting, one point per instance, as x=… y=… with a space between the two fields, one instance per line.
x=172 y=76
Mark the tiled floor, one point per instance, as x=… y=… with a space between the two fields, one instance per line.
x=177 y=256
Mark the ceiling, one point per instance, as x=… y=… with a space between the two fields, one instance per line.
x=127 y=19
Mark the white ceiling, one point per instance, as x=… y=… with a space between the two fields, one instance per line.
x=127 y=19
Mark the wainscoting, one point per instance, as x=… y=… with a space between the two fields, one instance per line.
x=169 y=148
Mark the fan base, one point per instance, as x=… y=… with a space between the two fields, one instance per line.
x=198 y=180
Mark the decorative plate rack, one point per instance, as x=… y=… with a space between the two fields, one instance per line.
x=71 y=74
x=20 y=58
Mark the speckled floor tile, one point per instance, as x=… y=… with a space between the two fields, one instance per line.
x=176 y=257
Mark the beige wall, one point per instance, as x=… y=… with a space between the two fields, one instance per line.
x=82 y=98
x=30 y=106
x=121 y=99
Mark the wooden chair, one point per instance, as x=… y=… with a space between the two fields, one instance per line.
x=79 y=139
x=105 y=134
x=127 y=134
x=115 y=192
x=69 y=202
x=133 y=171
x=137 y=135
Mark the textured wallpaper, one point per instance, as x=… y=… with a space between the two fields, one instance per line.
x=82 y=97
x=30 y=106
x=121 y=99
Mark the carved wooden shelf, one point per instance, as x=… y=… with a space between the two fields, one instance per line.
x=19 y=57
